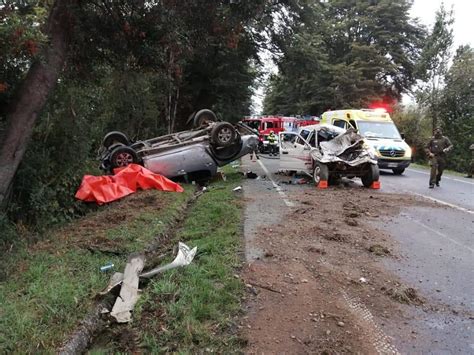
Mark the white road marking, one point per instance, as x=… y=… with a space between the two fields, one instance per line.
x=438 y=233
x=459 y=208
x=287 y=202
x=379 y=339
x=444 y=176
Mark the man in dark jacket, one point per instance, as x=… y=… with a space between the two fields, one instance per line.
x=436 y=150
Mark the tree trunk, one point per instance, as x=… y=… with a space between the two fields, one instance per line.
x=31 y=97
x=175 y=108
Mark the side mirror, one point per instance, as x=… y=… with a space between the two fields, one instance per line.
x=402 y=135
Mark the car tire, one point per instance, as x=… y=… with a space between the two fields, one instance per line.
x=371 y=175
x=398 y=171
x=122 y=156
x=115 y=137
x=320 y=173
x=223 y=134
x=204 y=116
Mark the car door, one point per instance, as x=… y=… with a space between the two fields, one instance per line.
x=294 y=152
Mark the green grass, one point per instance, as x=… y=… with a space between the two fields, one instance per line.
x=193 y=309
x=47 y=288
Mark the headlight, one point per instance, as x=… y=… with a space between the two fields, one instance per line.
x=408 y=152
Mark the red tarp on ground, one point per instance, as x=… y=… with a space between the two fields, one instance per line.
x=103 y=189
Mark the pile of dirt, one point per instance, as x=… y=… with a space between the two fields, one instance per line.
x=316 y=288
x=90 y=232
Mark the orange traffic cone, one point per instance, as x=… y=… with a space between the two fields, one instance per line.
x=375 y=185
x=323 y=184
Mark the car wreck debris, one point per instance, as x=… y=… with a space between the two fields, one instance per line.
x=129 y=280
x=107 y=267
x=185 y=257
x=329 y=153
x=122 y=310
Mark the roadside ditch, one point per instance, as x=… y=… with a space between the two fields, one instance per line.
x=48 y=295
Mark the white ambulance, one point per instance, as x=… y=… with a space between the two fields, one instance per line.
x=380 y=133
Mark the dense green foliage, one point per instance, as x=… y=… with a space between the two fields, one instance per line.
x=457 y=107
x=433 y=64
x=139 y=67
x=444 y=95
x=346 y=54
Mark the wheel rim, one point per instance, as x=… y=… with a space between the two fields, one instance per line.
x=225 y=135
x=123 y=159
x=317 y=175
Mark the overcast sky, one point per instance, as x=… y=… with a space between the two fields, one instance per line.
x=463 y=15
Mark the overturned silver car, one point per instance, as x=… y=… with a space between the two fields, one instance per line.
x=194 y=154
x=328 y=153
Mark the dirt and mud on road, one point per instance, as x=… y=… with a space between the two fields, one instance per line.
x=319 y=285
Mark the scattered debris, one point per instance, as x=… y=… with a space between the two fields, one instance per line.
x=107 y=267
x=220 y=176
x=122 y=310
x=351 y=222
x=313 y=249
x=129 y=280
x=268 y=254
x=379 y=250
x=185 y=257
x=363 y=280
x=405 y=295
x=250 y=175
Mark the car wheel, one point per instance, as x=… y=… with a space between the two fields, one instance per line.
x=122 y=156
x=371 y=175
x=202 y=117
x=223 y=134
x=320 y=173
x=398 y=171
x=115 y=137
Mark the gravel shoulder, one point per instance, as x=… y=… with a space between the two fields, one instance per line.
x=318 y=283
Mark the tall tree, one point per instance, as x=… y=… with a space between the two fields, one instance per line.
x=26 y=106
x=457 y=107
x=434 y=61
x=365 y=50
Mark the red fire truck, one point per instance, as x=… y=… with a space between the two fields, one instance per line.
x=264 y=125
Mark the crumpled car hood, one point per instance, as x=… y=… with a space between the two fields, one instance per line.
x=348 y=147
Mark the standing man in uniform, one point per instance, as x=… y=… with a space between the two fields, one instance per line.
x=272 y=142
x=436 y=150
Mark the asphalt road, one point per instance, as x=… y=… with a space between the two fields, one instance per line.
x=436 y=245
x=437 y=248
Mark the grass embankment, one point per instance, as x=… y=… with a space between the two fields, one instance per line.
x=192 y=309
x=46 y=288
x=49 y=287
